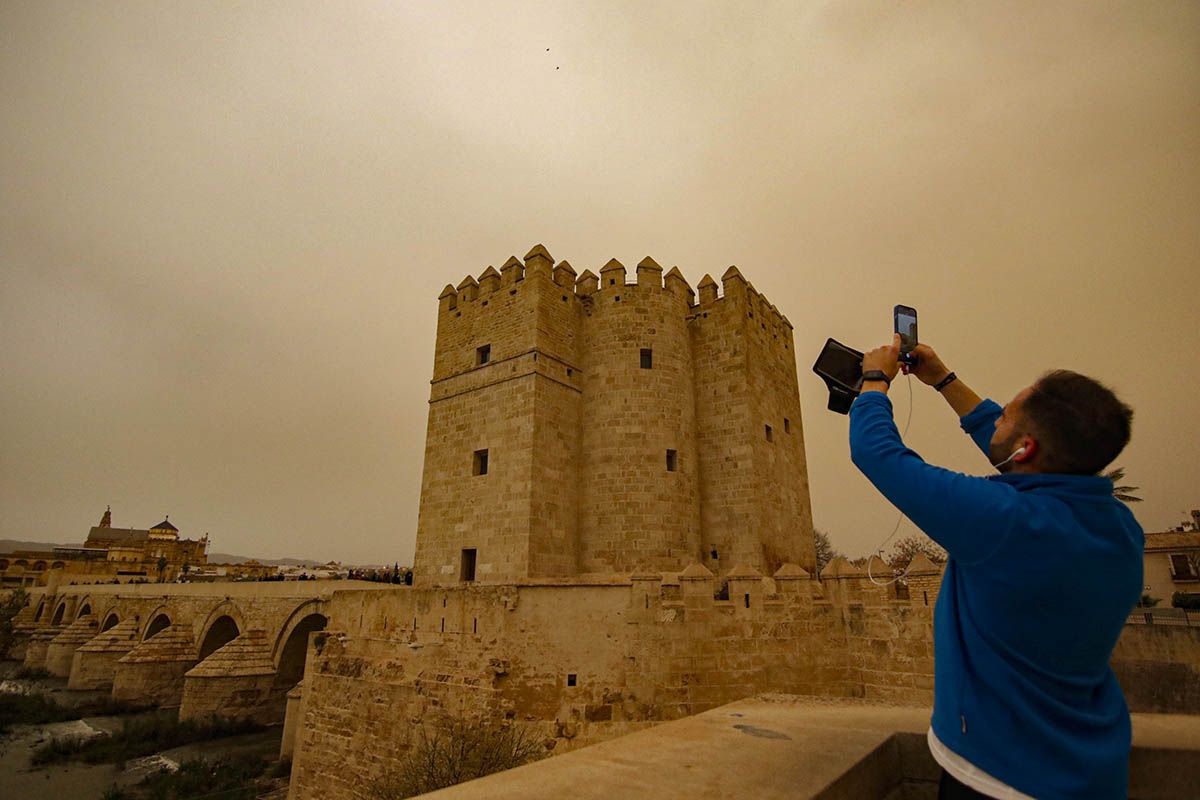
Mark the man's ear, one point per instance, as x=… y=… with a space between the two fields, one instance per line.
x=1030 y=446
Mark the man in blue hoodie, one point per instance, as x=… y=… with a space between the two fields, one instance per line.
x=1045 y=565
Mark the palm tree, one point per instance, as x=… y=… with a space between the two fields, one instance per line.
x=1122 y=493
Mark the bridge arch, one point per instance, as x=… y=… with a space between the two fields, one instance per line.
x=110 y=620
x=291 y=645
x=224 y=624
x=3 y=564
x=39 y=566
x=159 y=619
x=41 y=609
x=59 y=565
x=59 y=612
x=84 y=607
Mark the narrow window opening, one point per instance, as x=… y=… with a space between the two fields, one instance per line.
x=747 y=601
x=443 y=602
x=483 y=354
x=672 y=460
x=443 y=624
x=647 y=601
x=474 y=624
x=926 y=595
x=468 y=564
x=647 y=358
x=571 y=679
x=414 y=623
x=714 y=555
x=787 y=425
x=617 y=299
x=570 y=372
x=770 y=434
x=612 y=281
x=564 y=298
x=479 y=463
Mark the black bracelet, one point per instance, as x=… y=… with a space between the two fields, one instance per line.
x=946 y=381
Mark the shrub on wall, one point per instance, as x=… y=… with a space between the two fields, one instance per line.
x=9 y=608
x=459 y=750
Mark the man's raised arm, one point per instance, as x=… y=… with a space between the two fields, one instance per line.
x=930 y=371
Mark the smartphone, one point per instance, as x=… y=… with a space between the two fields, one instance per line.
x=906 y=325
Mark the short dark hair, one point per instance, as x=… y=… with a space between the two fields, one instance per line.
x=1079 y=421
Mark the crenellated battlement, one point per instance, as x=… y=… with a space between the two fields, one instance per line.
x=747 y=592
x=612 y=275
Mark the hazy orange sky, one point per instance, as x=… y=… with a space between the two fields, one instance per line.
x=224 y=227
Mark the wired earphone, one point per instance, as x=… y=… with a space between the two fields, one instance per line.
x=1020 y=451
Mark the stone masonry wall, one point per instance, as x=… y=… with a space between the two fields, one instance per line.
x=1159 y=668
x=634 y=511
x=581 y=661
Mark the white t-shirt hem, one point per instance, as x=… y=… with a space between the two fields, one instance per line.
x=968 y=774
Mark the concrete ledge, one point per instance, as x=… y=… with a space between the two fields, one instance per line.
x=778 y=746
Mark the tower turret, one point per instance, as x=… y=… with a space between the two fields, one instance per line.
x=538 y=262
x=612 y=274
x=489 y=281
x=511 y=271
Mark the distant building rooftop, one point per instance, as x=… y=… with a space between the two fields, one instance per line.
x=1172 y=540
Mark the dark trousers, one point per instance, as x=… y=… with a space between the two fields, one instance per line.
x=950 y=789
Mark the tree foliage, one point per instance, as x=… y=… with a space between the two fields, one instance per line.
x=9 y=608
x=906 y=548
x=1122 y=493
x=826 y=552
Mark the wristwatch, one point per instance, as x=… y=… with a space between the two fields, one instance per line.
x=876 y=375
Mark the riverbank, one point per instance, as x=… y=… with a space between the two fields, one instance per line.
x=22 y=780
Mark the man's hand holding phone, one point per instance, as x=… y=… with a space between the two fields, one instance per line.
x=885 y=359
x=928 y=368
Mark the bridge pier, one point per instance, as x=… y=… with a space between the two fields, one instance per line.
x=95 y=662
x=39 y=643
x=236 y=682
x=293 y=718
x=153 y=671
x=60 y=653
x=23 y=626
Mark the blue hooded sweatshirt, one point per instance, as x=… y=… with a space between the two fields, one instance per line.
x=1043 y=571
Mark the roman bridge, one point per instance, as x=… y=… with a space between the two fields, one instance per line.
x=236 y=648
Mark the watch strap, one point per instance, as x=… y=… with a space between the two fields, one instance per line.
x=946 y=381
x=876 y=375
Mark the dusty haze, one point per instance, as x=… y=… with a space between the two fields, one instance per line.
x=224 y=227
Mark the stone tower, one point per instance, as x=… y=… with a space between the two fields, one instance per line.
x=585 y=424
